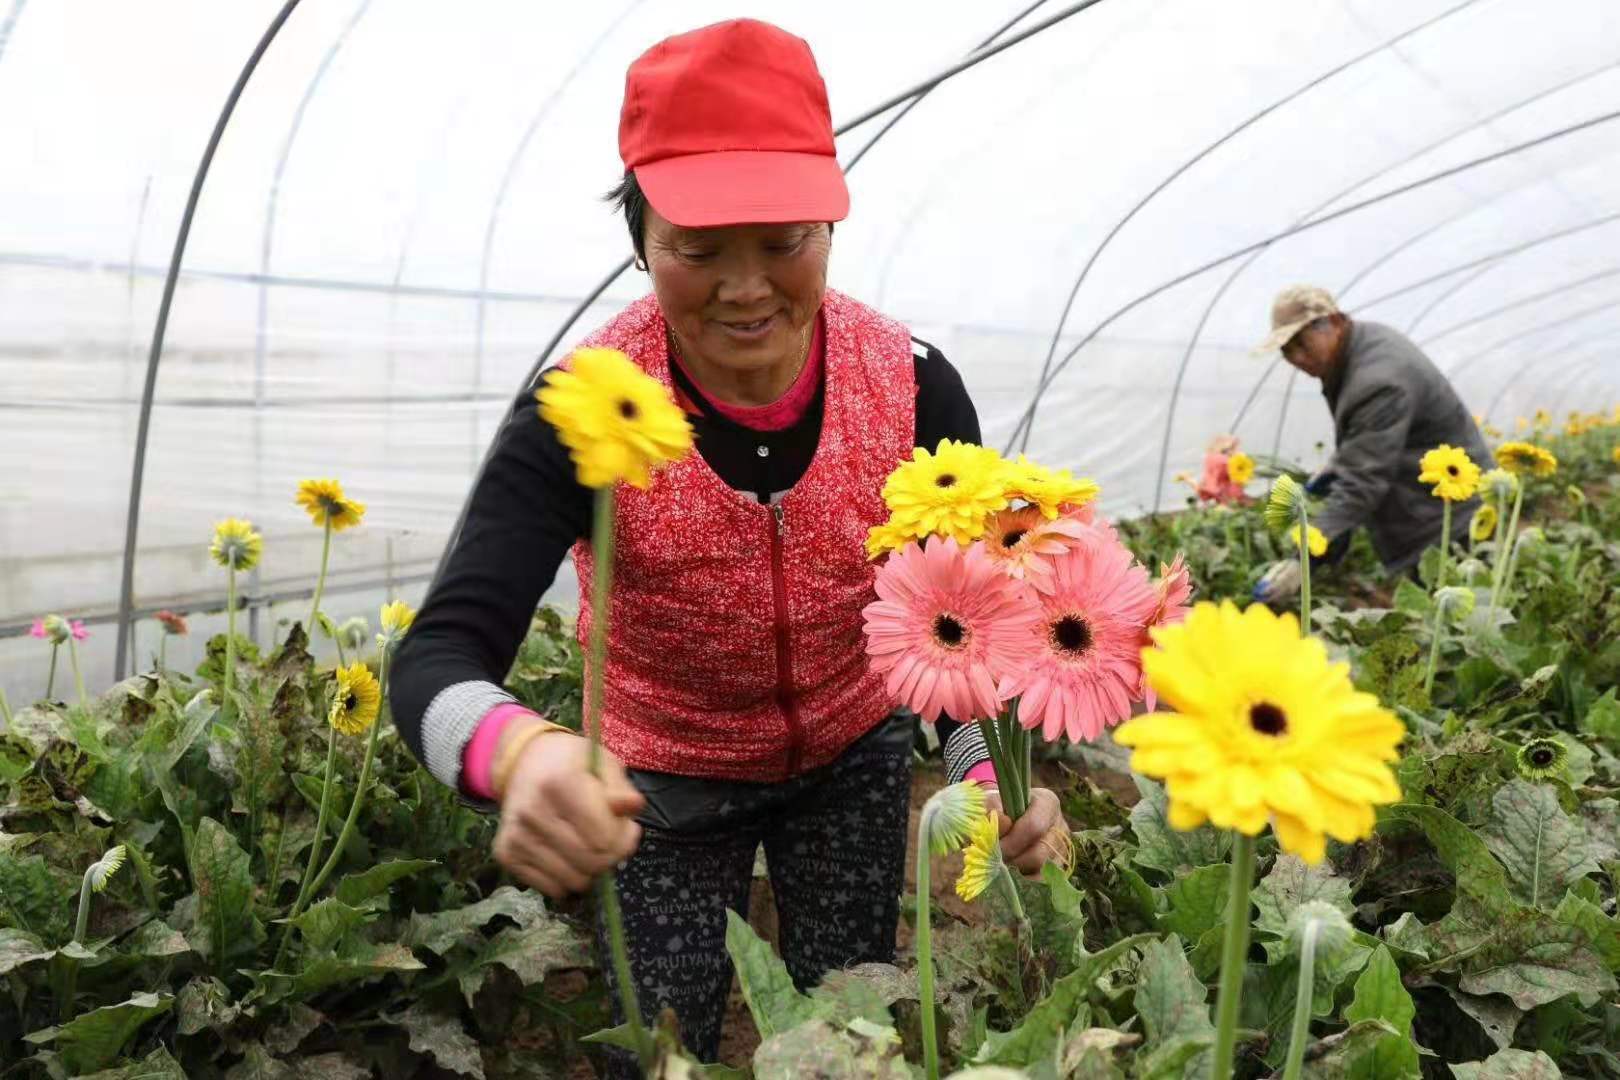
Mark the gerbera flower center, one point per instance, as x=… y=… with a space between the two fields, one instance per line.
x=1541 y=757
x=945 y=480
x=627 y=409
x=1268 y=719
x=1071 y=634
x=1011 y=539
x=351 y=703
x=1452 y=469
x=949 y=632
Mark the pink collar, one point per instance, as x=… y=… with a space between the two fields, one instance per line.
x=786 y=410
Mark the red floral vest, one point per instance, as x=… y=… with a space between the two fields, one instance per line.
x=735 y=648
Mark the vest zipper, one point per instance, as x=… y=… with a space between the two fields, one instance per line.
x=784 y=646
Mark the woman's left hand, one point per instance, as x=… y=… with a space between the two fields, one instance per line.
x=1037 y=838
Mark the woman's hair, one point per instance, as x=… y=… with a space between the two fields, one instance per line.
x=627 y=196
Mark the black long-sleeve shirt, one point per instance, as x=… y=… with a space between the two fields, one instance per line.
x=529 y=509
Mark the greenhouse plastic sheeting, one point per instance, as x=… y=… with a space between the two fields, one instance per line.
x=407 y=205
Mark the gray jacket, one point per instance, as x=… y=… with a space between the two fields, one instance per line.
x=1390 y=406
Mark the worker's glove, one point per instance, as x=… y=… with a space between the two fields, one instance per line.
x=1320 y=484
x=1279 y=583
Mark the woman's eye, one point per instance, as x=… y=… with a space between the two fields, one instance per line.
x=697 y=256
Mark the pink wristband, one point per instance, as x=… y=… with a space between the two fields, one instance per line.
x=478 y=758
x=983 y=773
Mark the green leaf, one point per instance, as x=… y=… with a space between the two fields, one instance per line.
x=156 y=940
x=1380 y=994
x=1407 y=936
x=1477 y=871
x=226 y=925
x=1496 y=1016
x=1057 y=918
x=258 y=1064
x=328 y=921
x=194 y=720
x=158 y=1065
x=1162 y=847
x=766 y=985
x=1543 y=848
x=355 y=964
x=442 y=1038
x=1509 y=1065
x=816 y=1048
x=333 y=1066
x=530 y=953
x=1554 y=960
x=865 y=990
x=1053 y=1014
x=1600 y=929
x=1290 y=884
x=444 y=930
x=205 y=1004
x=93 y=1039
x=35 y=898
x=18 y=947
x=1366 y=1050
x=1196 y=901
x=1169 y=997
x=1602 y=719
x=355 y=888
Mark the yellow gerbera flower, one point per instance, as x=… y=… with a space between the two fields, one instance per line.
x=981 y=859
x=1318 y=543
x=618 y=422
x=1240 y=468
x=1282 y=505
x=1452 y=472
x=356 y=701
x=1264 y=728
x=1616 y=455
x=1484 y=524
x=1521 y=424
x=950 y=492
x=1049 y=489
x=1523 y=458
x=325 y=503
x=235 y=544
x=1543 y=419
x=882 y=539
x=395 y=618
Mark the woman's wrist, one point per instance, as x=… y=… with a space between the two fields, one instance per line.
x=520 y=731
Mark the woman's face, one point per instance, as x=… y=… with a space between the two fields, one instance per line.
x=742 y=297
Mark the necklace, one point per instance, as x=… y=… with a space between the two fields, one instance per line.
x=798 y=369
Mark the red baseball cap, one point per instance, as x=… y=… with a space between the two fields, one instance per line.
x=729 y=125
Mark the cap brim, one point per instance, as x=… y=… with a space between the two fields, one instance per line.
x=1279 y=337
x=745 y=187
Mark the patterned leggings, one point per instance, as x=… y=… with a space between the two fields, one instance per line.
x=835 y=844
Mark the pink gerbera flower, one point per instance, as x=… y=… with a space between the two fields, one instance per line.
x=1022 y=542
x=38 y=629
x=1174 y=591
x=79 y=632
x=1081 y=666
x=947 y=623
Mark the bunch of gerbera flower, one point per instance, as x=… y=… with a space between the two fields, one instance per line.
x=1005 y=599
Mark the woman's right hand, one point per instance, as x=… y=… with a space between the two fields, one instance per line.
x=560 y=825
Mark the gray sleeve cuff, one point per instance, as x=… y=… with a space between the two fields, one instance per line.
x=964 y=750
x=449 y=723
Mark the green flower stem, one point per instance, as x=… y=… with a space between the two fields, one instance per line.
x=50 y=677
x=1001 y=740
x=320 y=580
x=607 y=893
x=78 y=676
x=1434 y=647
x=360 y=787
x=343 y=658
x=1304 y=568
x=1010 y=887
x=1505 y=547
x=1234 y=957
x=163 y=651
x=1445 y=545
x=1301 y=1032
x=314 y=847
x=70 y=967
x=5 y=709
x=226 y=683
x=925 y=945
